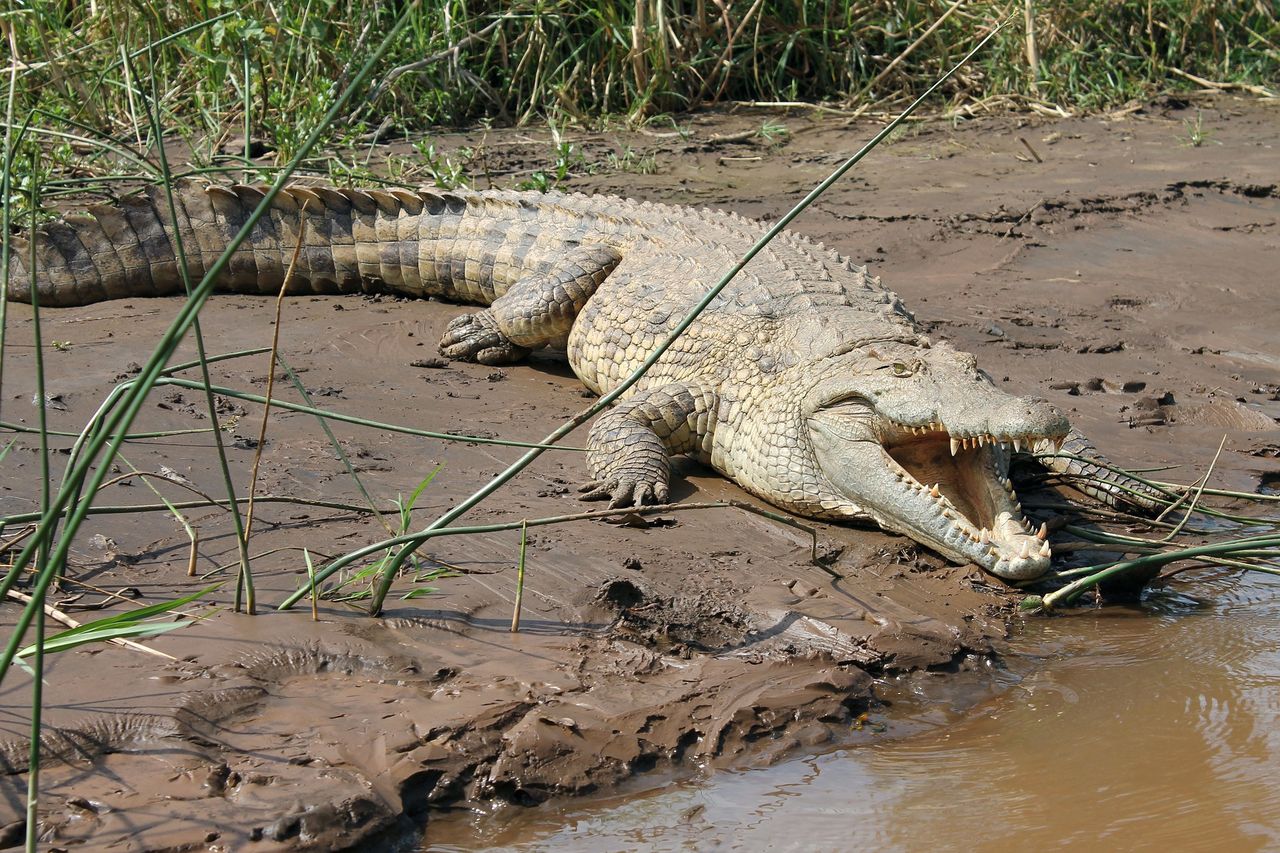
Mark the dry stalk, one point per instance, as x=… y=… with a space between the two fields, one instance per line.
x=515 y=611
x=639 y=68
x=1033 y=55
x=1261 y=91
x=271 y=370
x=58 y=616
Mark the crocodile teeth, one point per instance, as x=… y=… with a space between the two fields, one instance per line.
x=955 y=446
x=1044 y=549
x=984 y=536
x=1058 y=442
x=1043 y=534
x=935 y=491
x=1017 y=445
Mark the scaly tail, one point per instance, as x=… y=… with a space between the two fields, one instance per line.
x=1092 y=473
x=352 y=240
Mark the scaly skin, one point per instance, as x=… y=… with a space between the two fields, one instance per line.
x=806 y=381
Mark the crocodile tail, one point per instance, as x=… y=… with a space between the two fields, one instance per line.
x=131 y=248
x=1092 y=473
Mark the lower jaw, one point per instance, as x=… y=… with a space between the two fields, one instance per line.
x=1004 y=568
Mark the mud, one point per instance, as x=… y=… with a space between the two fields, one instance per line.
x=1126 y=275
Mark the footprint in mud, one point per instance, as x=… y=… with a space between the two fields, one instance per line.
x=294 y=745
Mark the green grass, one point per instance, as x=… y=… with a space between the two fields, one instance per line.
x=268 y=72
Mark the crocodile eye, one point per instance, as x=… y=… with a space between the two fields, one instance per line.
x=901 y=368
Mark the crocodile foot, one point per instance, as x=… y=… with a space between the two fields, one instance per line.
x=625 y=491
x=476 y=337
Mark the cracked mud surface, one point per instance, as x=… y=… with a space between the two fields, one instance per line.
x=1128 y=277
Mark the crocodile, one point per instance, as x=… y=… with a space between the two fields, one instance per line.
x=806 y=381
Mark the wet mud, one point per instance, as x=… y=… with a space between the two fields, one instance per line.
x=1104 y=263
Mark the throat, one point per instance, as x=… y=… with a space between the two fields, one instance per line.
x=963 y=479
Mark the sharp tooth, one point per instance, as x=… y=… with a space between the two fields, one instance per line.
x=985 y=536
x=955 y=445
x=1044 y=532
x=935 y=491
x=1058 y=442
x=1008 y=485
x=1017 y=445
x=1044 y=549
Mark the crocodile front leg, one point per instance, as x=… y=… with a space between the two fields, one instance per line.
x=1089 y=473
x=630 y=445
x=537 y=310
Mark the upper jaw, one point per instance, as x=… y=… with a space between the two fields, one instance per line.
x=948 y=490
x=976 y=518
x=890 y=432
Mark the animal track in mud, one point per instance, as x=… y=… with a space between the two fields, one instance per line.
x=1044 y=214
x=199 y=715
x=696 y=623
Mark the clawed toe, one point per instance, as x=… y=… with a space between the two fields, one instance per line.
x=624 y=493
x=475 y=337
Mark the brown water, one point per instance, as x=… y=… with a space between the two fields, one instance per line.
x=1153 y=727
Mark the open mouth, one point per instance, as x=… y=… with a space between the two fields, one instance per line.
x=970 y=510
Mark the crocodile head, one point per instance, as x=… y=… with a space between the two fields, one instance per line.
x=920 y=439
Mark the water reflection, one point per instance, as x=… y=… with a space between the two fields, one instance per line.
x=1153 y=727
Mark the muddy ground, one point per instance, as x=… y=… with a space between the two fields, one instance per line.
x=1106 y=263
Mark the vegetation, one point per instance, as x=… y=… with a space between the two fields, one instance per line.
x=257 y=76
x=94 y=90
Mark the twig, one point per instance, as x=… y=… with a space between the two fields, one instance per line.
x=1030 y=150
x=57 y=615
x=271 y=367
x=1261 y=91
x=1033 y=55
x=515 y=612
x=311 y=577
x=1023 y=218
